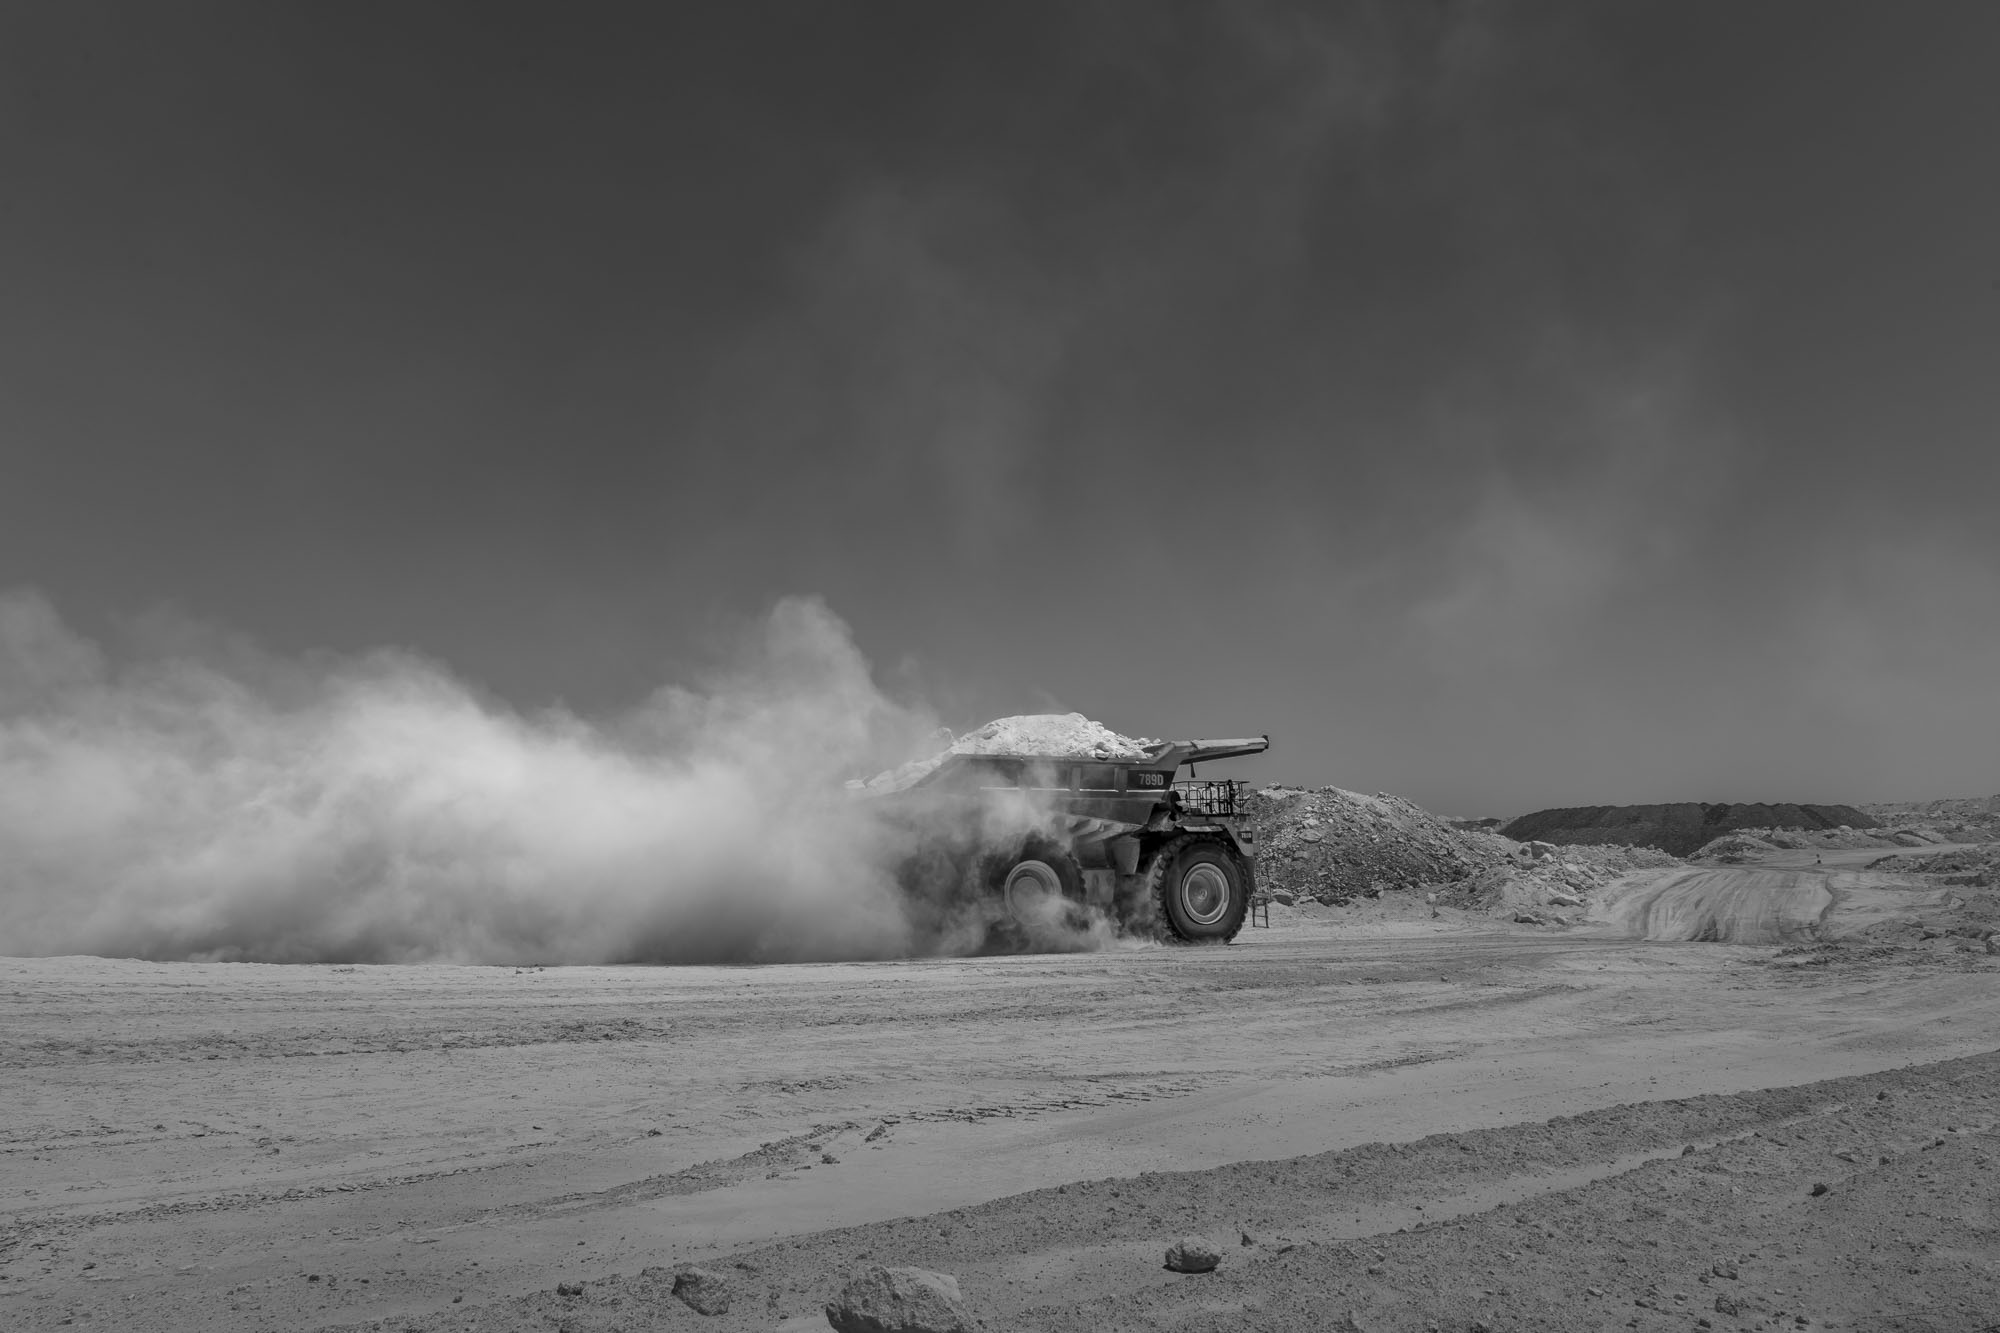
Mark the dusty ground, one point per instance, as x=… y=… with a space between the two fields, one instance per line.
x=239 y=1147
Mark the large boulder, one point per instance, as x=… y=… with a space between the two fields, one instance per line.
x=899 y=1300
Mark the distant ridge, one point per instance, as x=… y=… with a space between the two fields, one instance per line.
x=1679 y=828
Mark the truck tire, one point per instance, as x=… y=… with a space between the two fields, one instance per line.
x=1202 y=889
x=1039 y=884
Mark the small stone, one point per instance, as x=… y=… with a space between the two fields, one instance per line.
x=1726 y=1305
x=702 y=1290
x=1593 y=1291
x=653 y=1133
x=1193 y=1254
x=899 y=1300
x=828 y=1159
x=1245 y=1237
x=1688 y=1151
x=1724 y=1268
x=876 y=1133
x=569 y=1289
x=1819 y=1187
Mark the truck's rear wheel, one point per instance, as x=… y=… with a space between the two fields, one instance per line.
x=1040 y=892
x=1202 y=888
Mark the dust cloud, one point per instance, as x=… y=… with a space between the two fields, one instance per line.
x=219 y=804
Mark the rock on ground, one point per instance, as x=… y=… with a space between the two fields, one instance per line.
x=1193 y=1254
x=702 y=1290
x=899 y=1300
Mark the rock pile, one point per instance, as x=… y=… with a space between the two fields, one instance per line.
x=1973 y=819
x=1830 y=839
x=1970 y=867
x=1334 y=846
x=1732 y=849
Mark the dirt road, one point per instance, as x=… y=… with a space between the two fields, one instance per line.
x=188 y=1145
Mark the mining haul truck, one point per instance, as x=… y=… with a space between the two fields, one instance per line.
x=1047 y=835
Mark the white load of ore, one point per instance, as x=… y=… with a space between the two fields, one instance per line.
x=1054 y=735
x=1041 y=735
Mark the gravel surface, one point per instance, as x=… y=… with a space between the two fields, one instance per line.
x=248 y=1147
x=1863 y=1203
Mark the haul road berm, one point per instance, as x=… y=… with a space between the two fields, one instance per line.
x=1046 y=835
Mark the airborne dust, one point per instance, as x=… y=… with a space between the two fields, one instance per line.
x=221 y=804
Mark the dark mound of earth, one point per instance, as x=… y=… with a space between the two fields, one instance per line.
x=1679 y=828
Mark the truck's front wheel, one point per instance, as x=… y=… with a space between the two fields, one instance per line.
x=1202 y=888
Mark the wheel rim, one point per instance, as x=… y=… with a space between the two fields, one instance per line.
x=1205 y=894
x=1029 y=889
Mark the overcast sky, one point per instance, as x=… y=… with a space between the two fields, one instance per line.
x=1501 y=405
